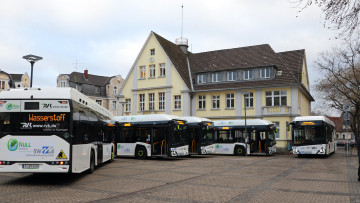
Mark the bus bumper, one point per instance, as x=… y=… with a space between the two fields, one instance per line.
x=34 y=168
x=210 y=149
x=311 y=149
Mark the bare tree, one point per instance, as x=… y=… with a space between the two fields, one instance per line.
x=339 y=15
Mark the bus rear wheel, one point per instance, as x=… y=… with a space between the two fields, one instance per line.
x=140 y=153
x=239 y=151
x=92 y=162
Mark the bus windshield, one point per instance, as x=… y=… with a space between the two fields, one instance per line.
x=27 y=123
x=179 y=137
x=208 y=136
x=308 y=135
x=271 y=138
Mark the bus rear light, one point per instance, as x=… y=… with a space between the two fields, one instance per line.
x=1 y=163
x=63 y=102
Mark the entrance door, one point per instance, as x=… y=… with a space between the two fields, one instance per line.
x=158 y=141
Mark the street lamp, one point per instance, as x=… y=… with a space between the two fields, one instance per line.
x=246 y=134
x=32 y=59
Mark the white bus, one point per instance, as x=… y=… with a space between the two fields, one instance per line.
x=201 y=135
x=155 y=135
x=230 y=137
x=53 y=130
x=313 y=135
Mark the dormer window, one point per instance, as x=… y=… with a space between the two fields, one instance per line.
x=201 y=78
x=265 y=73
x=231 y=76
x=216 y=77
x=248 y=74
x=152 y=52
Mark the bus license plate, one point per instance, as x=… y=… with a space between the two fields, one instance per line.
x=30 y=166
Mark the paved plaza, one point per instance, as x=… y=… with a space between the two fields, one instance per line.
x=279 y=178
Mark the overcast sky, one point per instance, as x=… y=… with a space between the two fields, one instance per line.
x=105 y=36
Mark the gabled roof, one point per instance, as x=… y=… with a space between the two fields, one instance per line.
x=240 y=58
x=97 y=80
x=294 y=61
x=16 y=77
x=177 y=58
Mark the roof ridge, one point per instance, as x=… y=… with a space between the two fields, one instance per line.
x=259 y=45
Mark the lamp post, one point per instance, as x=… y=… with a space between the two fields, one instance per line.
x=32 y=59
x=246 y=134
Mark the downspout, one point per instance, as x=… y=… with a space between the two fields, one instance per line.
x=191 y=85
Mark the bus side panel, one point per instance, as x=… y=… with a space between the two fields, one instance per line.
x=224 y=148
x=107 y=152
x=81 y=157
x=126 y=149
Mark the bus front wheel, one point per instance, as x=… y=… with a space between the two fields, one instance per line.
x=140 y=153
x=239 y=151
x=92 y=162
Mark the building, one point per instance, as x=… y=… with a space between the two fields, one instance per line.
x=13 y=81
x=104 y=90
x=167 y=78
x=343 y=132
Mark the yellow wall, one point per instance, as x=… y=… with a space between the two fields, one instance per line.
x=288 y=95
x=284 y=134
x=5 y=78
x=304 y=105
x=304 y=76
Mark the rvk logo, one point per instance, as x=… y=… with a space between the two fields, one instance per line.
x=47 y=106
x=13 y=144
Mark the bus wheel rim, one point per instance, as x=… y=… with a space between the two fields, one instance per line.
x=140 y=153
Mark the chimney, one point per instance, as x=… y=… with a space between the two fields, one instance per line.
x=86 y=75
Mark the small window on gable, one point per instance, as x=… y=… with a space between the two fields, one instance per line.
x=152 y=52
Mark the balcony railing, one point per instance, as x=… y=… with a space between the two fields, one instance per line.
x=276 y=110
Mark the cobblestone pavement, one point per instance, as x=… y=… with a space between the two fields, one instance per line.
x=279 y=178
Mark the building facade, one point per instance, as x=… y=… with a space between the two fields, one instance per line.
x=13 y=81
x=343 y=132
x=221 y=84
x=104 y=90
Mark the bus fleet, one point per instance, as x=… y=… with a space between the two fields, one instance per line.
x=60 y=130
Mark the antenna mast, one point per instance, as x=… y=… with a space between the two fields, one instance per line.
x=182 y=19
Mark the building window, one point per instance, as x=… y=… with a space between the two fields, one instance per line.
x=99 y=101
x=202 y=103
x=97 y=89
x=231 y=76
x=151 y=101
x=152 y=52
x=78 y=87
x=216 y=102
x=62 y=83
x=2 y=85
x=248 y=74
x=142 y=102
x=162 y=101
x=177 y=102
x=142 y=72
x=249 y=100
x=265 y=73
x=162 y=69
x=127 y=105
x=152 y=71
x=113 y=105
x=277 y=134
x=201 y=78
x=276 y=98
x=230 y=101
x=115 y=90
x=216 y=77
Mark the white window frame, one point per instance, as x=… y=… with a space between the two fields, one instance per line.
x=62 y=83
x=114 y=104
x=151 y=101
x=230 y=100
x=99 y=101
x=202 y=101
x=161 y=100
x=277 y=125
x=127 y=105
x=249 y=100
x=215 y=77
x=177 y=102
x=201 y=78
x=152 y=52
x=142 y=72
x=248 y=74
x=162 y=70
x=216 y=102
x=142 y=102
x=281 y=94
x=231 y=76
x=115 y=90
x=265 y=73
x=152 y=71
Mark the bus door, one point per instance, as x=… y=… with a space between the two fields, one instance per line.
x=258 y=142
x=194 y=134
x=158 y=141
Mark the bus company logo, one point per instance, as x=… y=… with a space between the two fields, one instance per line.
x=13 y=145
x=12 y=106
x=47 y=106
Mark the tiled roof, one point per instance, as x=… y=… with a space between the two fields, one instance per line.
x=97 y=80
x=339 y=122
x=294 y=61
x=16 y=77
x=240 y=58
x=177 y=58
